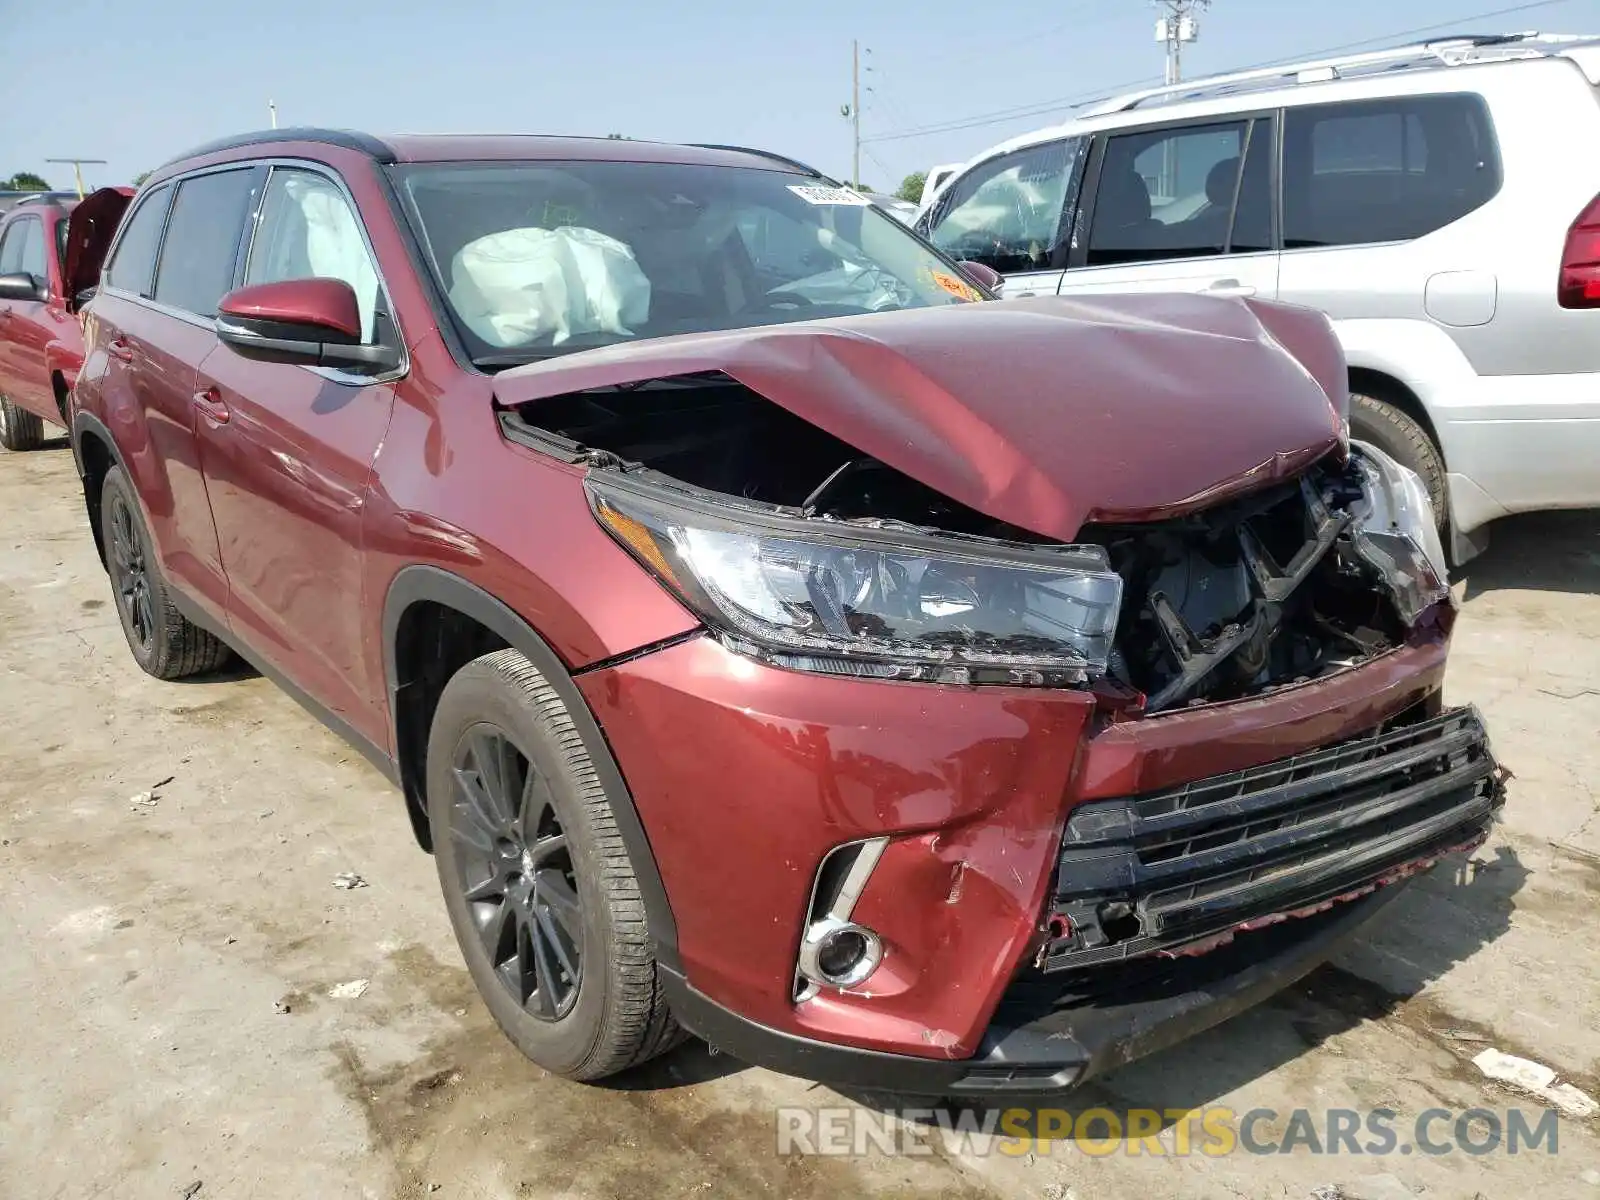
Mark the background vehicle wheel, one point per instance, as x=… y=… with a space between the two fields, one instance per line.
x=163 y=641
x=536 y=879
x=1403 y=439
x=19 y=428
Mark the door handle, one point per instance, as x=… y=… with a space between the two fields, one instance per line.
x=1229 y=287
x=211 y=406
x=120 y=349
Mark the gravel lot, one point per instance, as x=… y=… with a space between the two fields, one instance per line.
x=147 y=950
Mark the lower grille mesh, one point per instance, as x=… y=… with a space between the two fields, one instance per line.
x=1171 y=871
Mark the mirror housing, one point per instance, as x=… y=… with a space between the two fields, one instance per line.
x=19 y=285
x=984 y=276
x=308 y=322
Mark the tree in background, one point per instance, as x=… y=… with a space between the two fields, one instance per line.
x=24 y=181
x=911 y=186
x=138 y=180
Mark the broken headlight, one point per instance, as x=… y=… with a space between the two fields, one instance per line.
x=884 y=600
x=1397 y=536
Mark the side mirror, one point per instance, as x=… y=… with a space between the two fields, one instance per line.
x=985 y=277
x=309 y=322
x=19 y=285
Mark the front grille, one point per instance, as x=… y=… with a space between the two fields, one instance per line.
x=1170 y=872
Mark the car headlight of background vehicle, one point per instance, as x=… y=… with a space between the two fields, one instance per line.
x=1398 y=536
x=887 y=601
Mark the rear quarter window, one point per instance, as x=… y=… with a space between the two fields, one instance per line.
x=1385 y=170
x=132 y=266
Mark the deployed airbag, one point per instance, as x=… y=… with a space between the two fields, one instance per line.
x=521 y=286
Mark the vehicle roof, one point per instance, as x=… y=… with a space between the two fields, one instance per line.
x=11 y=202
x=492 y=147
x=1452 y=64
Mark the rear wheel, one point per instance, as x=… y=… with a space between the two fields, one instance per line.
x=536 y=879
x=19 y=428
x=163 y=641
x=1403 y=438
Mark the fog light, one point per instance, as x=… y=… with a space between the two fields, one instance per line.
x=839 y=954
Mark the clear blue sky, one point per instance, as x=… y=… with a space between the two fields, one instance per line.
x=138 y=81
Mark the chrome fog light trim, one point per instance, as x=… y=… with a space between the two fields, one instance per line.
x=839 y=954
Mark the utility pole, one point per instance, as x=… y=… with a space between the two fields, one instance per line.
x=1176 y=26
x=855 y=111
x=272 y=113
x=77 y=169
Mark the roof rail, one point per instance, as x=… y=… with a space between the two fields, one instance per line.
x=781 y=158
x=1437 y=52
x=52 y=198
x=362 y=143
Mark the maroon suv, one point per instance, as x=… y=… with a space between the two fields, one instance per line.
x=41 y=344
x=772 y=636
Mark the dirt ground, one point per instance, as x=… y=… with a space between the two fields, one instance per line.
x=148 y=952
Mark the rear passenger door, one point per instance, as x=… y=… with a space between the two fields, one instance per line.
x=1181 y=208
x=288 y=453
x=1013 y=213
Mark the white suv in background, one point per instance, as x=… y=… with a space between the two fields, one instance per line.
x=1440 y=202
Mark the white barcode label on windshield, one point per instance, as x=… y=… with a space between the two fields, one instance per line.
x=829 y=195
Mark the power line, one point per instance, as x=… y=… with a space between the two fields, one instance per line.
x=1043 y=107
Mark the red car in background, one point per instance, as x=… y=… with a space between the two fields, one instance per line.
x=770 y=635
x=41 y=341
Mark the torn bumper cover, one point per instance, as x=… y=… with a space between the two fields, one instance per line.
x=1184 y=907
x=1371 y=782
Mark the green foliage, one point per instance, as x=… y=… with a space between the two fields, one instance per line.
x=24 y=181
x=911 y=186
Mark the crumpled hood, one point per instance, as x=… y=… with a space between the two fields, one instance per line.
x=1045 y=413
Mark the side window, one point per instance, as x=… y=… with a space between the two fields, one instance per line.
x=202 y=242
x=133 y=267
x=308 y=229
x=1006 y=213
x=11 y=248
x=31 y=254
x=1166 y=193
x=1384 y=170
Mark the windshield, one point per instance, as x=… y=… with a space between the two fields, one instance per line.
x=545 y=258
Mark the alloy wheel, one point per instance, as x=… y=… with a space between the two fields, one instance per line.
x=130 y=575
x=516 y=872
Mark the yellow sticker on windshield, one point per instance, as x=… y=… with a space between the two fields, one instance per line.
x=956 y=287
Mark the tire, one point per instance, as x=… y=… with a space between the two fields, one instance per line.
x=19 y=428
x=163 y=641
x=1404 y=439
x=507 y=873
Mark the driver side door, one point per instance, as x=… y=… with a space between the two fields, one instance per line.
x=1014 y=213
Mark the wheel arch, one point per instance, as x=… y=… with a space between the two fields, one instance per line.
x=1380 y=385
x=95 y=452
x=418 y=598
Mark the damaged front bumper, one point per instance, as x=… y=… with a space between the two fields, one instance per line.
x=1056 y=894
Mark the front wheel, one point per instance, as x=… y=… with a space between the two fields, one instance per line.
x=537 y=882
